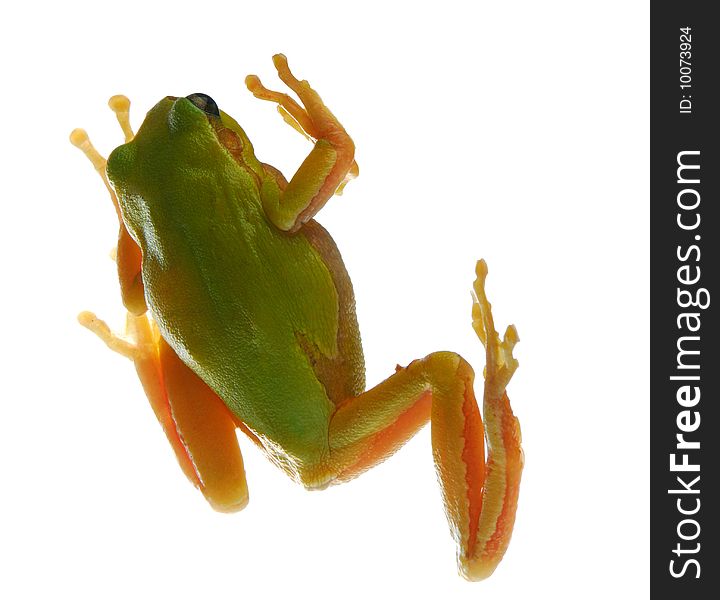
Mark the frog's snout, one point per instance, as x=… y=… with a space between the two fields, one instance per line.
x=204 y=103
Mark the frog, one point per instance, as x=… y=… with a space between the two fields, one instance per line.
x=240 y=315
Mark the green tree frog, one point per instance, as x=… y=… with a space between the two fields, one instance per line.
x=241 y=315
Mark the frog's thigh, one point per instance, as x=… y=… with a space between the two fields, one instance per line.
x=207 y=430
x=198 y=425
x=366 y=429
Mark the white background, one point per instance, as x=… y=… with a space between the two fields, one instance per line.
x=513 y=131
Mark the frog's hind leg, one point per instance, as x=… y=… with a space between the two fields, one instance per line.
x=480 y=494
x=197 y=423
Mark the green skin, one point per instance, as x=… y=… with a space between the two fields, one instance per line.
x=252 y=296
x=254 y=311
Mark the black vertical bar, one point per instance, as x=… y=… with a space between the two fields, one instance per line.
x=685 y=269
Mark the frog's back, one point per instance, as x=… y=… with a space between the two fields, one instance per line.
x=237 y=299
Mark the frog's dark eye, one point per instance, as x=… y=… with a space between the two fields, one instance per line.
x=205 y=103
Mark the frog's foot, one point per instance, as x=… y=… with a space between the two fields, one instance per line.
x=197 y=423
x=500 y=361
x=329 y=166
x=79 y=138
x=120 y=105
x=480 y=493
x=128 y=255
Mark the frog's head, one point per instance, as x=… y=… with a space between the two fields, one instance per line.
x=185 y=148
x=180 y=134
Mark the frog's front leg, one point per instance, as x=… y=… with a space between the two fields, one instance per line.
x=128 y=256
x=480 y=495
x=328 y=167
